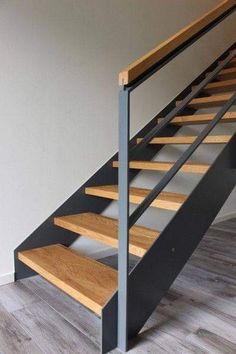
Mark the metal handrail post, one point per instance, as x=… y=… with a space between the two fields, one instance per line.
x=123 y=228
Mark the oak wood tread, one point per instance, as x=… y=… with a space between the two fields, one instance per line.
x=220 y=86
x=229 y=117
x=166 y=166
x=86 y=280
x=165 y=200
x=105 y=230
x=175 y=140
x=209 y=101
x=229 y=73
x=232 y=63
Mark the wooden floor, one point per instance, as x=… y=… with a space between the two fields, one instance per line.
x=198 y=315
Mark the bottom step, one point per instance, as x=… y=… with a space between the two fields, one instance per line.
x=86 y=280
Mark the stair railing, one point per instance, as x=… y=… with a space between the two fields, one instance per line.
x=129 y=79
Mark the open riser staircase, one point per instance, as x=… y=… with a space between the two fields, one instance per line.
x=124 y=300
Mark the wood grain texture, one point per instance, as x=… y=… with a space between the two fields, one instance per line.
x=221 y=263
x=229 y=117
x=220 y=86
x=229 y=73
x=86 y=280
x=220 y=303
x=228 y=225
x=209 y=341
x=165 y=200
x=193 y=277
x=85 y=321
x=211 y=139
x=13 y=338
x=105 y=230
x=53 y=333
x=165 y=166
x=148 y=60
x=197 y=315
x=209 y=101
x=16 y=296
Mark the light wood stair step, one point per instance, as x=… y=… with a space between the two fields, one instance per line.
x=220 y=86
x=165 y=200
x=211 y=139
x=86 y=280
x=166 y=166
x=229 y=73
x=229 y=117
x=105 y=230
x=209 y=101
x=232 y=63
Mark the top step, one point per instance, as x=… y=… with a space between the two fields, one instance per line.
x=86 y=280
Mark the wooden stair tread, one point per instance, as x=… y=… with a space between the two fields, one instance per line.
x=232 y=63
x=229 y=117
x=209 y=101
x=229 y=73
x=165 y=200
x=105 y=229
x=86 y=280
x=166 y=166
x=220 y=86
x=211 y=139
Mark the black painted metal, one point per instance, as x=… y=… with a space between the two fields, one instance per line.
x=109 y=337
x=109 y=325
x=126 y=221
x=123 y=226
x=177 y=110
x=179 y=239
x=175 y=245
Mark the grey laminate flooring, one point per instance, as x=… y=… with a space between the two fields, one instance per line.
x=198 y=315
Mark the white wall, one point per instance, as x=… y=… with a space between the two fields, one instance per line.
x=58 y=96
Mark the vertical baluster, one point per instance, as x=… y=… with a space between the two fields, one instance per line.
x=123 y=253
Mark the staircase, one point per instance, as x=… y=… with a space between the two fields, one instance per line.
x=124 y=300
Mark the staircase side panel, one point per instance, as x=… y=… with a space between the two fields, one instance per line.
x=48 y=234
x=156 y=271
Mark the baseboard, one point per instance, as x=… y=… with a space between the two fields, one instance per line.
x=224 y=218
x=7 y=278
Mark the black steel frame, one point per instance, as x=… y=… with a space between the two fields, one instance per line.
x=172 y=249
x=126 y=221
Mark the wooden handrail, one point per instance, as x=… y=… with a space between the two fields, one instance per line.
x=144 y=63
